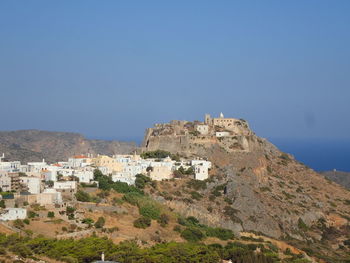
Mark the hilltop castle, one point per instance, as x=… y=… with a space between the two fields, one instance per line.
x=209 y=131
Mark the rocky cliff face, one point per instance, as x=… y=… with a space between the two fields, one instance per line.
x=255 y=187
x=34 y=145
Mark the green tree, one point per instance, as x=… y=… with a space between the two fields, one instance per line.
x=97 y=174
x=141 y=181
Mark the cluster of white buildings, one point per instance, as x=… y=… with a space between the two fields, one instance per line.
x=45 y=184
x=157 y=169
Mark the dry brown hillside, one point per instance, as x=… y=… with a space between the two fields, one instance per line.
x=35 y=145
x=255 y=187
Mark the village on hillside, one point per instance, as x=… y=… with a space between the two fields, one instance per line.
x=55 y=185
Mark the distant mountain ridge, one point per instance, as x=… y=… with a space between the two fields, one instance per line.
x=35 y=145
x=342 y=178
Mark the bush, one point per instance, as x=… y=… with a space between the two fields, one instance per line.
x=221 y=233
x=163 y=220
x=100 y=222
x=51 y=214
x=32 y=214
x=18 y=223
x=195 y=195
x=132 y=198
x=142 y=222
x=192 y=234
x=197 y=184
x=87 y=221
x=302 y=226
x=150 y=210
x=141 y=181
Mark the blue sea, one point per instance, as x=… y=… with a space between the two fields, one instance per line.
x=319 y=154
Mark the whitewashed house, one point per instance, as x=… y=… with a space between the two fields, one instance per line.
x=37 y=166
x=9 y=214
x=49 y=197
x=5 y=181
x=84 y=176
x=200 y=172
x=65 y=185
x=32 y=183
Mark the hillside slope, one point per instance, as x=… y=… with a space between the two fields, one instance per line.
x=35 y=145
x=256 y=187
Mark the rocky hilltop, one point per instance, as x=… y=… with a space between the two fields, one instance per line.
x=253 y=186
x=35 y=145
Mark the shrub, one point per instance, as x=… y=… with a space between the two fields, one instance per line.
x=195 y=195
x=100 y=222
x=197 y=184
x=141 y=181
x=132 y=198
x=221 y=233
x=87 y=221
x=51 y=214
x=192 y=234
x=265 y=189
x=302 y=225
x=142 y=222
x=177 y=228
x=18 y=223
x=32 y=214
x=26 y=221
x=150 y=210
x=163 y=220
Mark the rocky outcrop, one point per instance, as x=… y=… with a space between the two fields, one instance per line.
x=265 y=190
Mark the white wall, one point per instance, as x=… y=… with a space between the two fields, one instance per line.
x=13 y=214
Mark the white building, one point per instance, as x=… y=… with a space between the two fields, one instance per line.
x=79 y=161
x=201 y=162
x=201 y=169
x=124 y=177
x=37 y=166
x=5 y=181
x=160 y=173
x=50 y=175
x=33 y=184
x=200 y=172
x=84 y=176
x=65 y=185
x=49 y=197
x=202 y=129
x=13 y=214
x=10 y=167
x=222 y=134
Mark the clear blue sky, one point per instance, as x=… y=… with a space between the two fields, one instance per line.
x=113 y=68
